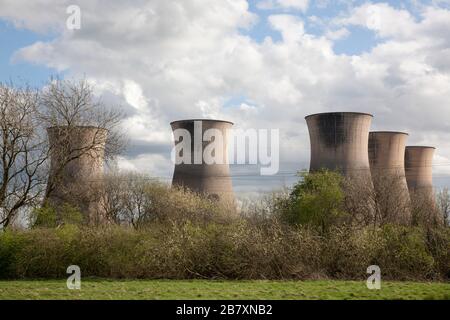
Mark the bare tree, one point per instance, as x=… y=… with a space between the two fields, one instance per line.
x=425 y=210
x=360 y=200
x=125 y=198
x=138 y=200
x=133 y=199
x=81 y=130
x=23 y=152
x=71 y=104
x=443 y=203
x=111 y=197
x=393 y=204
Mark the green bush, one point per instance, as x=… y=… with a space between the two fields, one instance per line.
x=44 y=216
x=438 y=244
x=317 y=199
x=404 y=254
x=241 y=249
x=347 y=252
x=11 y=244
x=48 y=217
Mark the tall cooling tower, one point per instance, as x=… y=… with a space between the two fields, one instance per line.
x=212 y=179
x=386 y=157
x=418 y=166
x=339 y=141
x=77 y=162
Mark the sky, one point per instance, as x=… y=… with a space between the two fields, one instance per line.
x=262 y=64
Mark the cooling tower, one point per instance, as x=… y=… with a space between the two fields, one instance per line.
x=418 y=167
x=386 y=158
x=339 y=141
x=77 y=160
x=212 y=179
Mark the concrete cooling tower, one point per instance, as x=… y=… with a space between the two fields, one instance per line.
x=339 y=141
x=212 y=179
x=77 y=162
x=386 y=157
x=418 y=166
x=419 y=170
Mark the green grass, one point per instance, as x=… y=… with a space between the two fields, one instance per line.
x=199 y=289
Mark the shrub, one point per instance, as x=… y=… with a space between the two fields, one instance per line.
x=48 y=217
x=316 y=200
x=11 y=243
x=177 y=234
x=425 y=213
x=404 y=255
x=347 y=252
x=136 y=200
x=240 y=249
x=438 y=244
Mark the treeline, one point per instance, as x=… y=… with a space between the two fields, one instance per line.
x=326 y=226
x=154 y=231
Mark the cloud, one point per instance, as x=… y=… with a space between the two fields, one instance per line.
x=385 y=20
x=40 y=15
x=338 y=34
x=301 y=5
x=291 y=27
x=166 y=60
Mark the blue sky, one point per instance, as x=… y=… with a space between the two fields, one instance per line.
x=170 y=59
x=360 y=39
x=13 y=39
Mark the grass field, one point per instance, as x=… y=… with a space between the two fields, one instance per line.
x=234 y=290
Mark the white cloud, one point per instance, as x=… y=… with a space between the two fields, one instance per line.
x=134 y=95
x=385 y=20
x=291 y=27
x=338 y=34
x=39 y=15
x=167 y=60
x=153 y=165
x=301 y=5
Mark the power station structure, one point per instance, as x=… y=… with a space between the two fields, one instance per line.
x=418 y=167
x=339 y=141
x=77 y=156
x=195 y=140
x=387 y=158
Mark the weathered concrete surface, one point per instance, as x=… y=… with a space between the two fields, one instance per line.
x=419 y=170
x=339 y=141
x=387 y=151
x=77 y=165
x=211 y=179
x=387 y=158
